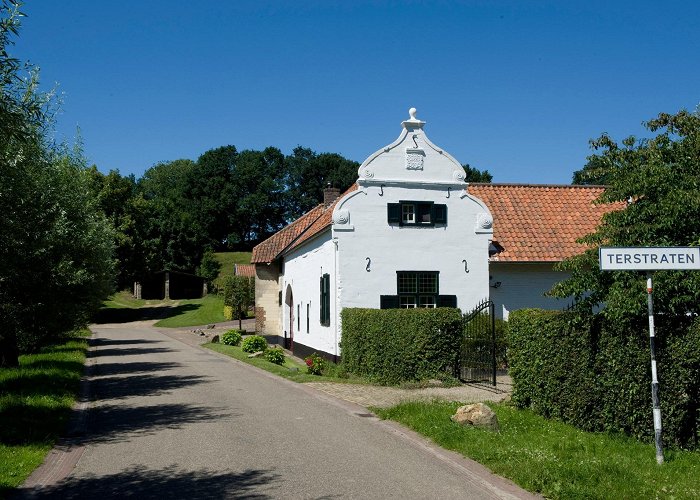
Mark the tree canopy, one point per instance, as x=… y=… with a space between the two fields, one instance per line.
x=655 y=183
x=55 y=243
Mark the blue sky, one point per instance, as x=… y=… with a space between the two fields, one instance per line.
x=515 y=87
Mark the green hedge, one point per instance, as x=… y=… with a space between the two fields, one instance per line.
x=395 y=345
x=596 y=374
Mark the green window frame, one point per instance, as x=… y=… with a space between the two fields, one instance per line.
x=416 y=289
x=416 y=213
x=325 y=300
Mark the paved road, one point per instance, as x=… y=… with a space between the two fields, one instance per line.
x=172 y=420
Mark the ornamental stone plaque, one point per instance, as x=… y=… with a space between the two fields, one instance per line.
x=414 y=158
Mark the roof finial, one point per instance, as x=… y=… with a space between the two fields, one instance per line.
x=412 y=114
x=413 y=123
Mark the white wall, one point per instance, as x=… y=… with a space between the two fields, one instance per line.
x=303 y=269
x=522 y=285
x=392 y=248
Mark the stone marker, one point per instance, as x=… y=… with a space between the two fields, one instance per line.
x=256 y=354
x=478 y=415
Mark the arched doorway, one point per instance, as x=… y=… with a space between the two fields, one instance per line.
x=289 y=324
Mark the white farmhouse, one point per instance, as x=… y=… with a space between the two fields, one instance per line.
x=407 y=234
x=412 y=233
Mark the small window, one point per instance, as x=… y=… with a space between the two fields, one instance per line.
x=407 y=301
x=298 y=317
x=408 y=214
x=308 y=307
x=416 y=213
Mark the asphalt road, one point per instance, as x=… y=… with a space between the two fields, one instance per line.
x=170 y=420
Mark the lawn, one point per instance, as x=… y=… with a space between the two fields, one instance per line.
x=556 y=459
x=35 y=403
x=194 y=312
x=228 y=259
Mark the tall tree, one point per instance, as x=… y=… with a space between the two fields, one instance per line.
x=656 y=184
x=308 y=174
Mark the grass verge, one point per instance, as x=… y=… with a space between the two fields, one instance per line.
x=35 y=403
x=291 y=370
x=195 y=312
x=555 y=459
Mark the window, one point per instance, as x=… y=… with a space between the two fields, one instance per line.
x=325 y=302
x=417 y=289
x=298 y=317
x=308 y=307
x=416 y=213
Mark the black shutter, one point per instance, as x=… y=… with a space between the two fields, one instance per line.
x=424 y=213
x=394 y=213
x=440 y=213
x=447 y=301
x=388 y=302
x=321 y=302
x=327 y=305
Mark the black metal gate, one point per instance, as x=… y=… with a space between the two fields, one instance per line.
x=477 y=357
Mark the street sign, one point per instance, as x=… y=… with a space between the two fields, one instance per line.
x=649 y=258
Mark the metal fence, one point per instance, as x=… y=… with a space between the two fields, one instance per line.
x=477 y=359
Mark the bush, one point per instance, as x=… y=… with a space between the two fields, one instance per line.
x=254 y=343
x=275 y=355
x=231 y=337
x=396 y=345
x=228 y=313
x=596 y=375
x=315 y=364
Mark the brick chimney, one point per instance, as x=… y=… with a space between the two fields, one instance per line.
x=330 y=194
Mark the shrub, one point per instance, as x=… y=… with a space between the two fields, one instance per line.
x=228 y=313
x=254 y=343
x=231 y=337
x=275 y=355
x=595 y=373
x=315 y=364
x=396 y=345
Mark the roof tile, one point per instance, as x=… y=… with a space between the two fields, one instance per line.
x=541 y=223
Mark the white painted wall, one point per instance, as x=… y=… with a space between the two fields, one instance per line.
x=393 y=248
x=303 y=268
x=522 y=285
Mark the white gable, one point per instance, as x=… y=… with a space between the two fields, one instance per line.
x=412 y=158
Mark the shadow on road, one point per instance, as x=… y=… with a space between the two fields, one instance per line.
x=136 y=367
x=102 y=342
x=115 y=422
x=170 y=482
x=120 y=387
x=127 y=315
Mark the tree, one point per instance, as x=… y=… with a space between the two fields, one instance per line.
x=476 y=175
x=655 y=184
x=209 y=267
x=308 y=174
x=256 y=198
x=239 y=294
x=55 y=244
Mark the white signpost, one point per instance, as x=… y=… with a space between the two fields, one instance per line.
x=650 y=259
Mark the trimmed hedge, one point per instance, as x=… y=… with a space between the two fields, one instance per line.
x=596 y=374
x=390 y=346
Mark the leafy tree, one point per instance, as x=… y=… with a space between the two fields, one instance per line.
x=256 y=198
x=209 y=193
x=55 y=244
x=655 y=184
x=209 y=267
x=476 y=175
x=239 y=294
x=308 y=174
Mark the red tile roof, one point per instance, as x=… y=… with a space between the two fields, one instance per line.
x=304 y=228
x=533 y=223
x=540 y=223
x=271 y=248
x=244 y=270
